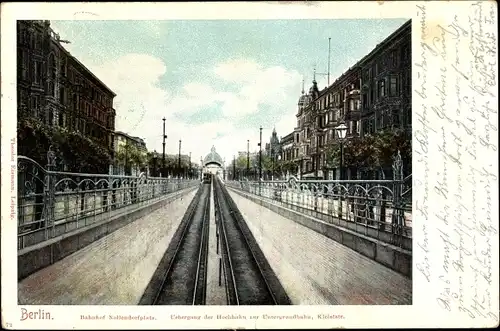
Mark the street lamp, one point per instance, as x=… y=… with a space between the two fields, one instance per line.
x=234 y=167
x=248 y=158
x=163 y=157
x=280 y=166
x=155 y=157
x=260 y=154
x=272 y=156
x=260 y=161
x=179 y=160
x=201 y=167
x=341 y=133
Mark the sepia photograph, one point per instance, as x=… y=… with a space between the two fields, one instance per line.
x=214 y=162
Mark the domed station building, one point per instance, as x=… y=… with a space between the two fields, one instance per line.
x=213 y=162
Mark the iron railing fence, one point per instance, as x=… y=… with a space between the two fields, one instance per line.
x=51 y=203
x=379 y=209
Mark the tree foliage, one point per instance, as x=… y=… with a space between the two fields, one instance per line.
x=74 y=151
x=171 y=163
x=371 y=152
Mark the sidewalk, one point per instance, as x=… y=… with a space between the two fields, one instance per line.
x=114 y=270
x=315 y=270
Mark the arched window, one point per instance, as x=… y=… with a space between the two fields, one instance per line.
x=51 y=90
x=52 y=66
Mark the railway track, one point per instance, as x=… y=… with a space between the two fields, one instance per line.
x=248 y=277
x=173 y=282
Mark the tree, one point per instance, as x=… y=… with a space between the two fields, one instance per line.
x=370 y=152
x=284 y=166
x=386 y=144
x=75 y=152
x=241 y=162
x=130 y=156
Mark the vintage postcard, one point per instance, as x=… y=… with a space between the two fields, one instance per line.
x=249 y=165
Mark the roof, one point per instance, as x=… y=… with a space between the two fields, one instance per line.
x=213 y=157
x=121 y=133
x=402 y=29
x=356 y=67
x=79 y=63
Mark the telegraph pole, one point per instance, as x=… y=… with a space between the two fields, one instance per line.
x=260 y=160
x=201 y=167
x=179 y=160
x=327 y=73
x=329 y=39
x=163 y=157
x=260 y=154
x=234 y=167
x=248 y=157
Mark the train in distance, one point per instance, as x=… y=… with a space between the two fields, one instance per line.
x=207 y=178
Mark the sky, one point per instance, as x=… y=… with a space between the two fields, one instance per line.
x=215 y=81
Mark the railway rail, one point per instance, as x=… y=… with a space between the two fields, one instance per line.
x=248 y=277
x=173 y=282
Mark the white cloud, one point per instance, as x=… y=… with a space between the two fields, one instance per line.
x=238 y=71
x=271 y=86
x=141 y=104
x=255 y=86
x=134 y=78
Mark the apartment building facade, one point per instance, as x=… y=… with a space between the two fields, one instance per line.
x=372 y=95
x=56 y=88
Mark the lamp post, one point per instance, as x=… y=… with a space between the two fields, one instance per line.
x=316 y=163
x=190 y=175
x=260 y=155
x=234 y=167
x=224 y=169
x=280 y=166
x=260 y=160
x=272 y=156
x=179 y=160
x=126 y=157
x=248 y=158
x=163 y=157
x=341 y=133
x=155 y=157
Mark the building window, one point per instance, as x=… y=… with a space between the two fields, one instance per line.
x=37 y=72
x=385 y=119
x=407 y=117
x=62 y=96
x=381 y=88
x=23 y=95
x=351 y=105
x=50 y=89
x=75 y=102
x=52 y=67
x=24 y=64
x=406 y=52
x=407 y=82
x=36 y=36
x=61 y=119
x=63 y=68
x=394 y=59
x=395 y=118
x=35 y=101
x=393 y=87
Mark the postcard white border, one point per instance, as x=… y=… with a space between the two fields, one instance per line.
x=427 y=309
